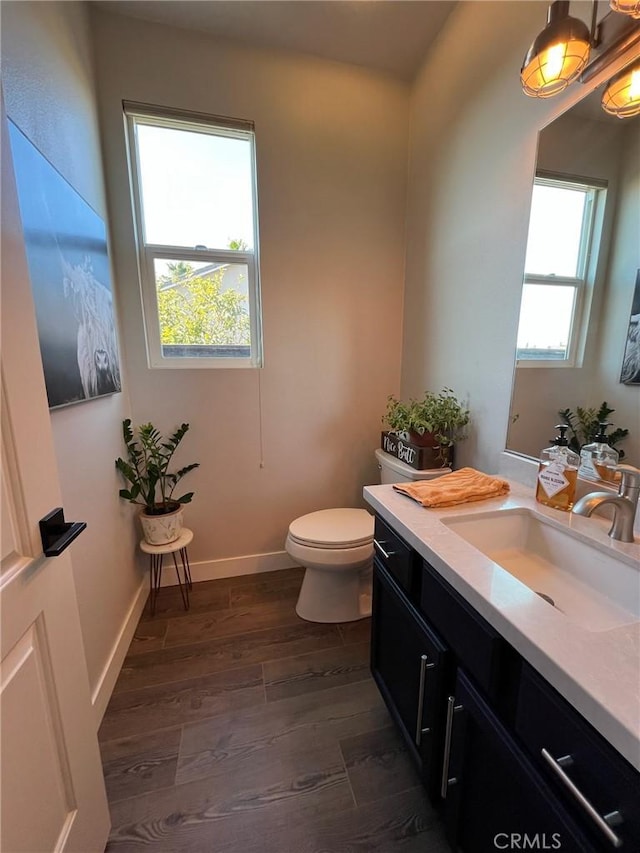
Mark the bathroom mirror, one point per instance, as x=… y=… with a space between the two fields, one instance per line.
x=572 y=339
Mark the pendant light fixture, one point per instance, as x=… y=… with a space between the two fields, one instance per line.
x=627 y=7
x=622 y=94
x=558 y=55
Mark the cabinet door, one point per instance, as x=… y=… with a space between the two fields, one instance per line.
x=595 y=783
x=408 y=664
x=494 y=797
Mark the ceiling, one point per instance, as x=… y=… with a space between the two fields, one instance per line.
x=391 y=36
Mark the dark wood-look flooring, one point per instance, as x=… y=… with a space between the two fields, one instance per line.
x=237 y=727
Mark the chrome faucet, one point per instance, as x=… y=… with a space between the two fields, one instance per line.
x=624 y=504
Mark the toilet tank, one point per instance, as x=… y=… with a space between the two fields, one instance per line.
x=393 y=470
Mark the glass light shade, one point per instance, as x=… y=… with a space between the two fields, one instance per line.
x=557 y=56
x=551 y=71
x=627 y=7
x=622 y=95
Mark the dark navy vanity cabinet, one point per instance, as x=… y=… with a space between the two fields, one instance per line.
x=509 y=762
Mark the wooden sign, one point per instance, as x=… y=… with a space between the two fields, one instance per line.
x=420 y=458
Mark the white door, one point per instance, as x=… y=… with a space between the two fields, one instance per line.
x=52 y=788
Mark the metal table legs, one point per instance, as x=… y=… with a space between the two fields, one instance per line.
x=155 y=577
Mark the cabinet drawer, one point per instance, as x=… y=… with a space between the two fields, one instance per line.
x=395 y=555
x=591 y=767
x=473 y=640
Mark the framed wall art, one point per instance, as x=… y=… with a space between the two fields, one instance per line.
x=68 y=263
x=630 y=374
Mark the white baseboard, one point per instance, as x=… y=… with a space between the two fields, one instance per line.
x=230 y=567
x=104 y=688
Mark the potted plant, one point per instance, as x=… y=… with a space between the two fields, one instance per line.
x=150 y=484
x=583 y=426
x=436 y=421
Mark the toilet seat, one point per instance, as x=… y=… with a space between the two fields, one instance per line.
x=333 y=529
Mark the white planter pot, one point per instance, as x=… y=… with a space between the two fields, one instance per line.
x=162 y=529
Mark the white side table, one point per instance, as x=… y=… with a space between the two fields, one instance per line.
x=156 y=555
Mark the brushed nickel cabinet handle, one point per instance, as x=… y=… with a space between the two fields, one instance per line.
x=451 y=709
x=424 y=666
x=603 y=823
x=378 y=546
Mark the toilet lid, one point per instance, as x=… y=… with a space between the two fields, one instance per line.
x=333 y=528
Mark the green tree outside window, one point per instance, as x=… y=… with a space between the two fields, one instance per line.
x=197 y=311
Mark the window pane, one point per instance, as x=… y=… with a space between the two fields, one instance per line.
x=555 y=228
x=195 y=188
x=203 y=308
x=546 y=313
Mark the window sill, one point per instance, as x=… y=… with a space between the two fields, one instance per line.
x=186 y=357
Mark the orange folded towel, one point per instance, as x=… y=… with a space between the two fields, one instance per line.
x=460 y=487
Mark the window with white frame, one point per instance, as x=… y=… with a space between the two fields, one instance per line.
x=560 y=260
x=193 y=182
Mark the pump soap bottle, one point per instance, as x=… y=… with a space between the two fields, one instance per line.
x=598 y=460
x=558 y=473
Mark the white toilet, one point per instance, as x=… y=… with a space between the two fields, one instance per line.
x=336 y=548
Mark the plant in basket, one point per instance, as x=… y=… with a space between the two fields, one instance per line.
x=436 y=421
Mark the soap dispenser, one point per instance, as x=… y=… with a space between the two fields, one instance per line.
x=598 y=460
x=558 y=473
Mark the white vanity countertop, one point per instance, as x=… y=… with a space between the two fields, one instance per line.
x=597 y=672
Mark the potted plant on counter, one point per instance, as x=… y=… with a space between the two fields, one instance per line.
x=150 y=484
x=434 y=422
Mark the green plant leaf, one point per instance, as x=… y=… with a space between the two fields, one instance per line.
x=180 y=474
x=127 y=431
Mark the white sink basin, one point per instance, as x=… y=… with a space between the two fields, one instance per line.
x=592 y=587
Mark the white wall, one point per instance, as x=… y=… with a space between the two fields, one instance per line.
x=49 y=90
x=472 y=161
x=331 y=152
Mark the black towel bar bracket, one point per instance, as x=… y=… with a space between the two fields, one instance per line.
x=56 y=533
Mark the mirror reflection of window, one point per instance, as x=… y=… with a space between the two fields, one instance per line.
x=560 y=250
x=555 y=228
x=546 y=316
